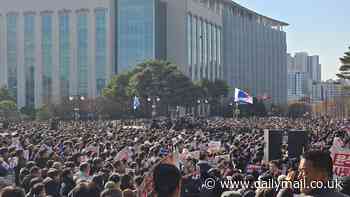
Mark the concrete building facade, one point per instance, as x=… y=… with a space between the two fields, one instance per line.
x=50 y=50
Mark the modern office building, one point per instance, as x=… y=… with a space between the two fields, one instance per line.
x=296 y=86
x=310 y=67
x=314 y=68
x=50 y=50
x=300 y=61
x=53 y=49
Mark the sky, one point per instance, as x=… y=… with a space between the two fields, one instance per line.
x=319 y=27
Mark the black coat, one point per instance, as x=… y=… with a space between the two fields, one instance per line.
x=67 y=186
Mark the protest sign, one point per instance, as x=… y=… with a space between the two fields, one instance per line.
x=341 y=159
x=214 y=146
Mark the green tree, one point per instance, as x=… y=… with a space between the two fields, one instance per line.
x=28 y=111
x=297 y=110
x=8 y=108
x=5 y=94
x=164 y=80
x=214 y=91
x=345 y=67
x=43 y=113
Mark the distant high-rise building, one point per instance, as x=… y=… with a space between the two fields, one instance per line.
x=290 y=63
x=301 y=61
x=314 y=68
x=309 y=68
x=296 y=81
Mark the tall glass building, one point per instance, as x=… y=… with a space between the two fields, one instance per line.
x=50 y=50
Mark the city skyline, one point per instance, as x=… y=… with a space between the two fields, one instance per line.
x=318 y=27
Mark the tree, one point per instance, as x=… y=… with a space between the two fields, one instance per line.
x=214 y=91
x=8 y=108
x=297 y=110
x=164 y=80
x=43 y=113
x=28 y=111
x=5 y=94
x=345 y=67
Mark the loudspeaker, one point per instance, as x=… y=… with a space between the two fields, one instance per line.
x=273 y=143
x=297 y=142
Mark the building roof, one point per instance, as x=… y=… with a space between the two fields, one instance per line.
x=278 y=22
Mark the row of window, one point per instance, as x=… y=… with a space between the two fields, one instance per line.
x=204 y=44
x=64 y=56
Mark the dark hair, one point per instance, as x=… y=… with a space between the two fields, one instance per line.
x=81 y=190
x=276 y=163
x=166 y=179
x=320 y=160
x=12 y=192
x=52 y=173
x=266 y=192
x=34 y=169
x=115 y=178
x=126 y=182
x=37 y=189
x=128 y=193
x=138 y=180
x=83 y=166
x=34 y=181
x=111 y=193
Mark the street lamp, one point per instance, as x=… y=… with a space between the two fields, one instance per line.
x=199 y=102
x=153 y=101
x=76 y=105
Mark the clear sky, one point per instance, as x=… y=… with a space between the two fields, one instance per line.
x=319 y=27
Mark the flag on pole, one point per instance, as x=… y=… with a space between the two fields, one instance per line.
x=242 y=97
x=136 y=103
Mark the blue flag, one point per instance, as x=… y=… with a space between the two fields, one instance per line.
x=242 y=97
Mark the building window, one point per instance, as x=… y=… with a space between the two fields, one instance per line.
x=64 y=53
x=205 y=44
x=136 y=24
x=11 y=22
x=46 y=45
x=200 y=41
x=210 y=57
x=82 y=32
x=101 y=49
x=189 y=39
x=194 y=45
x=214 y=50
x=29 y=57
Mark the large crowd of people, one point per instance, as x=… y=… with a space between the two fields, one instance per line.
x=167 y=158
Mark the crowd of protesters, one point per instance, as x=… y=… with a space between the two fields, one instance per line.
x=165 y=159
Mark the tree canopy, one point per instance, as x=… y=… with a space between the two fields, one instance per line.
x=159 y=79
x=344 y=70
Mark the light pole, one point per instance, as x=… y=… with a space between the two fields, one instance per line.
x=199 y=102
x=153 y=101
x=76 y=105
x=235 y=110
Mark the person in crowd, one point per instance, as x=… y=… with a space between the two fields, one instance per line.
x=35 y=172
x=67 y=182
x=317 y=166
x=97 y=157
x=84 y=173
x=38 y=190
x=111 y=193
x=345 y=185
x=11 y=191
x=167 y=180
